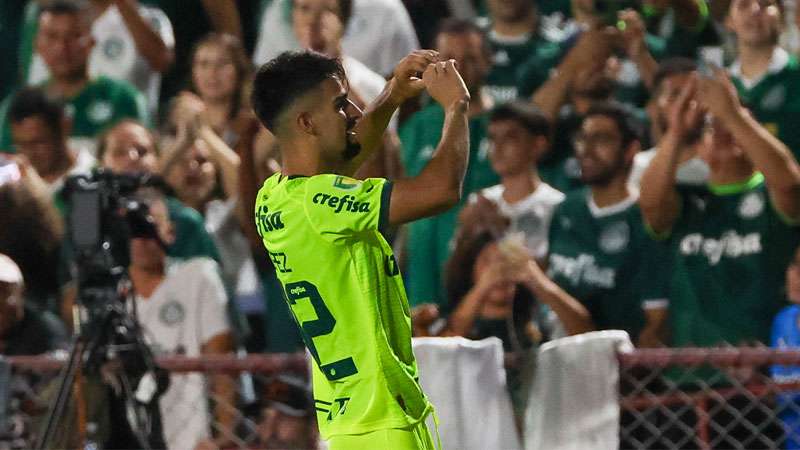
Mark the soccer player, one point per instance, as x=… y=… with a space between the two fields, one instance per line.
x=323 y=232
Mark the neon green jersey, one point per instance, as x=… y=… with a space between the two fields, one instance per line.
x=344 y=288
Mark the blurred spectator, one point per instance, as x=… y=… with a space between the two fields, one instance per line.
x=521 y=203
x=583 y=78
x=390 y=33
x=130 y=148
x=515 y=35
x=23 y=329
x=191 y=20
x=181 y=308
x=685 y=25
x=39 y=131
x=64 y=41
x=599 y=252
x=31 y=232
x=673 y=74
x=633 y=47
x=732 y=239
x=11 y=18
x=217 y=99
x=786 y=335
x=320 y=25
x=491 y=284
x=131 y=42
x=766 y=76
x=287 y=421
x=428 y=239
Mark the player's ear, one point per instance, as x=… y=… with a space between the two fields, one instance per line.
x=305 y=123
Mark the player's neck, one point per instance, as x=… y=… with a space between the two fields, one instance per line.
x=611 y=193
x=755 y=60
x=518 y=186
x=304 y=158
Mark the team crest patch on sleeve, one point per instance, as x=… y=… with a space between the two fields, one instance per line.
x=346 y=183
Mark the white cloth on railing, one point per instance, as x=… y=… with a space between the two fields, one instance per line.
x=466 y=382
x=574 y=402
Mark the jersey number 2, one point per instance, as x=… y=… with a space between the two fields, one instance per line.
x=320 y=326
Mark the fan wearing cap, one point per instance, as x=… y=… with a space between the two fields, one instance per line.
x=23 y=330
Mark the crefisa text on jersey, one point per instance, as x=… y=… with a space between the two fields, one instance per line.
x=347 y=203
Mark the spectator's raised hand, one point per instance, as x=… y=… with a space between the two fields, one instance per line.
x=718 y=94
x=684 y=113
x=593 y=48
x=633 y=33
x=445 y=84
x=483 y=214
x=407 y=81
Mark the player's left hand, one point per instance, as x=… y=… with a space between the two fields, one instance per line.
x=407 y=79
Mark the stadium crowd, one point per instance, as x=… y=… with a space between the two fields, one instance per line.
x=633 y=166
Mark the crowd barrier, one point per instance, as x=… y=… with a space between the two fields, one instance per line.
x=698 y=398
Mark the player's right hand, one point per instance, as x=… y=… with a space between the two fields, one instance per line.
x=445 y=84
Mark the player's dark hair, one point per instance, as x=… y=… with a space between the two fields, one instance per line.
x=453 y=25
x=34 y=102
x=281 y=81
x=525 y=114
x=670 y=67
x=627 y=126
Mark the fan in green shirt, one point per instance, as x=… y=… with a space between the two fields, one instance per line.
x=599 y=251
x=323 y=232
x=514 y=34
x=766 y=76
x=428 y=240
x=731 y=240
x=64 y=42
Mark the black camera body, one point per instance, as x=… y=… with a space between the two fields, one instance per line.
x=102 y=218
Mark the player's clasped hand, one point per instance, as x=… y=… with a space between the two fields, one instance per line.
x=406 y=75
x=444 y=83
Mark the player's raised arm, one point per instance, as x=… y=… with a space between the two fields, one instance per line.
x=404 y=84
x=438 y=186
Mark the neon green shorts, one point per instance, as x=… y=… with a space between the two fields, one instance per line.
x=416 y=437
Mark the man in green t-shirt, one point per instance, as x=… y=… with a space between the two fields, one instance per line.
x=732 y=239
x=599 y=251
x=323 y=231
x=64 y=41
x=514 y=34
x=766 y=76
x=428 y=240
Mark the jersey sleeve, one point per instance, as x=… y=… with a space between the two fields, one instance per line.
x=339 y=206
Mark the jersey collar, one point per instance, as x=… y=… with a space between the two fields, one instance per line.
x=737 y=188
x=779 y=60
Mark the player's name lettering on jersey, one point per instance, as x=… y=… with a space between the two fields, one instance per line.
x=730 y=244
x=582 y=269
x=346 y=203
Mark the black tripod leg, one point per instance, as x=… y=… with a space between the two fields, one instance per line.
x=56 y=411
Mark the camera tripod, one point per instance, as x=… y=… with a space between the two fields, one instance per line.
x=112 y=339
